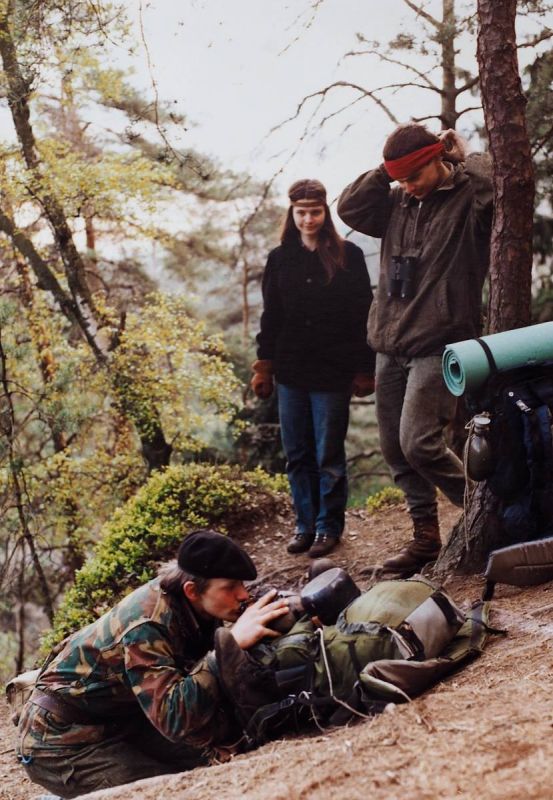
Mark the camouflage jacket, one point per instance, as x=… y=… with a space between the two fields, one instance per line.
x=139 y=658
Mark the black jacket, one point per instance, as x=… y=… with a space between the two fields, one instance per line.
x=314 y=331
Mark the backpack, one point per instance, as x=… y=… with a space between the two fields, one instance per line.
x=519 y=403
x=388 y=645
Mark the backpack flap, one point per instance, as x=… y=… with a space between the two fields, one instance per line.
x=429 y=628
x=397 y=680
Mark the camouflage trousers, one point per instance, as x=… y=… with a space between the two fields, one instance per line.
x=121 y=752
x=117 y=759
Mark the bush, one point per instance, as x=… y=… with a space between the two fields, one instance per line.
x=389 y=496
x=149 y=528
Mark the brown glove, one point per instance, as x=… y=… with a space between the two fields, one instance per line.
x=262 y=378
x=362 y=384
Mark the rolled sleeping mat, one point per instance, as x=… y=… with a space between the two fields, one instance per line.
x=525 y=564
x=467 y=365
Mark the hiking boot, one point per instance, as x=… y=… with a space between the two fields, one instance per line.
x=300 y=543
x=424 y=548
x=322 y=545
x=248 y=684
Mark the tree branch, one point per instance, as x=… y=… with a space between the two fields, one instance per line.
x=314 y=8
x=547 y=33
x=420 y=12
x=15 y=470
x=389 y=60
x=321 y=93
x=468 y=85
x=543 y=141
x=46 y=279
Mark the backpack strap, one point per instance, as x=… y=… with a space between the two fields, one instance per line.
x=489 y=355
x=293 y=683
x=256 y=730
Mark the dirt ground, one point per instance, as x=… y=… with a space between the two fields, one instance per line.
x=485 y=732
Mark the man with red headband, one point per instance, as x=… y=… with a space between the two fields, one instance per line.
x=435 y=229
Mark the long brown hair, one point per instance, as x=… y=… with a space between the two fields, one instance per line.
x=172 y=579
x=330 y=245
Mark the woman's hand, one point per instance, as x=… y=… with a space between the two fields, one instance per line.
x=251 y=626
x=262 y=381
x=362 y=384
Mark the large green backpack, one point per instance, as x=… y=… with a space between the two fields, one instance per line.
x=370 y=656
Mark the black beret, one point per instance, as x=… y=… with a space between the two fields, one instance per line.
x=209 y=554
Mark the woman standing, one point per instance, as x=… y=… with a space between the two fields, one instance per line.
x=316 y=298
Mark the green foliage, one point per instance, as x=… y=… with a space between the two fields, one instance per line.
x=149 y=528
x=385 y=498
x=8 y=655
x=167 y=365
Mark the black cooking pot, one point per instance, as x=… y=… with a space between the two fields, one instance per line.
x=328 y=594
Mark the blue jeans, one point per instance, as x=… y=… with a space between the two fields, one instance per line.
x=313 y=428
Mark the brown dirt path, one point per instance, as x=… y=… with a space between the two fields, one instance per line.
x=484 y=733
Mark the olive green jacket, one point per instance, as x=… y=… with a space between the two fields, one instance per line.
x=449 y=234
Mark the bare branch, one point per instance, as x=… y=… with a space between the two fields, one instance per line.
x=314 y=8
x=427 y=117
x=469 y=108
x=420 y=12
x=468 y=85
x=398 y=63
x=370 y=474
x=339 y=111
x=360 y=456
x=547 y=33
x=321 y=93
x=542 y=142
x=187 y=160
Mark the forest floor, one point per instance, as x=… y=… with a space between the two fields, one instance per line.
x=486 y=732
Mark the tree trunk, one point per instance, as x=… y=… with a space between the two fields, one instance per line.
x=480 y=530
x=504 y=112
x=449 y=113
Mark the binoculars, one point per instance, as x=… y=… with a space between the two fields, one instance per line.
x=324 y=597
x=401 y=276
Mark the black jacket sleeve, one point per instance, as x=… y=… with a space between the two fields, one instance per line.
x=273 y=313
x=363 y=356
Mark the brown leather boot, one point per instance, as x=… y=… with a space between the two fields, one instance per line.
x=424 y=548
x=300 y=543
x=322 y=545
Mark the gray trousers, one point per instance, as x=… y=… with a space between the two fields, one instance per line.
x=413 y=407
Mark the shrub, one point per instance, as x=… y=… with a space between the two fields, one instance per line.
x=389 y=496
x=149 y=528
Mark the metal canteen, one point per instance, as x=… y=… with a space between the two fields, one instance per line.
x=328 y=594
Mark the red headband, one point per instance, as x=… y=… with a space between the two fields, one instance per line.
x=406 y=165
